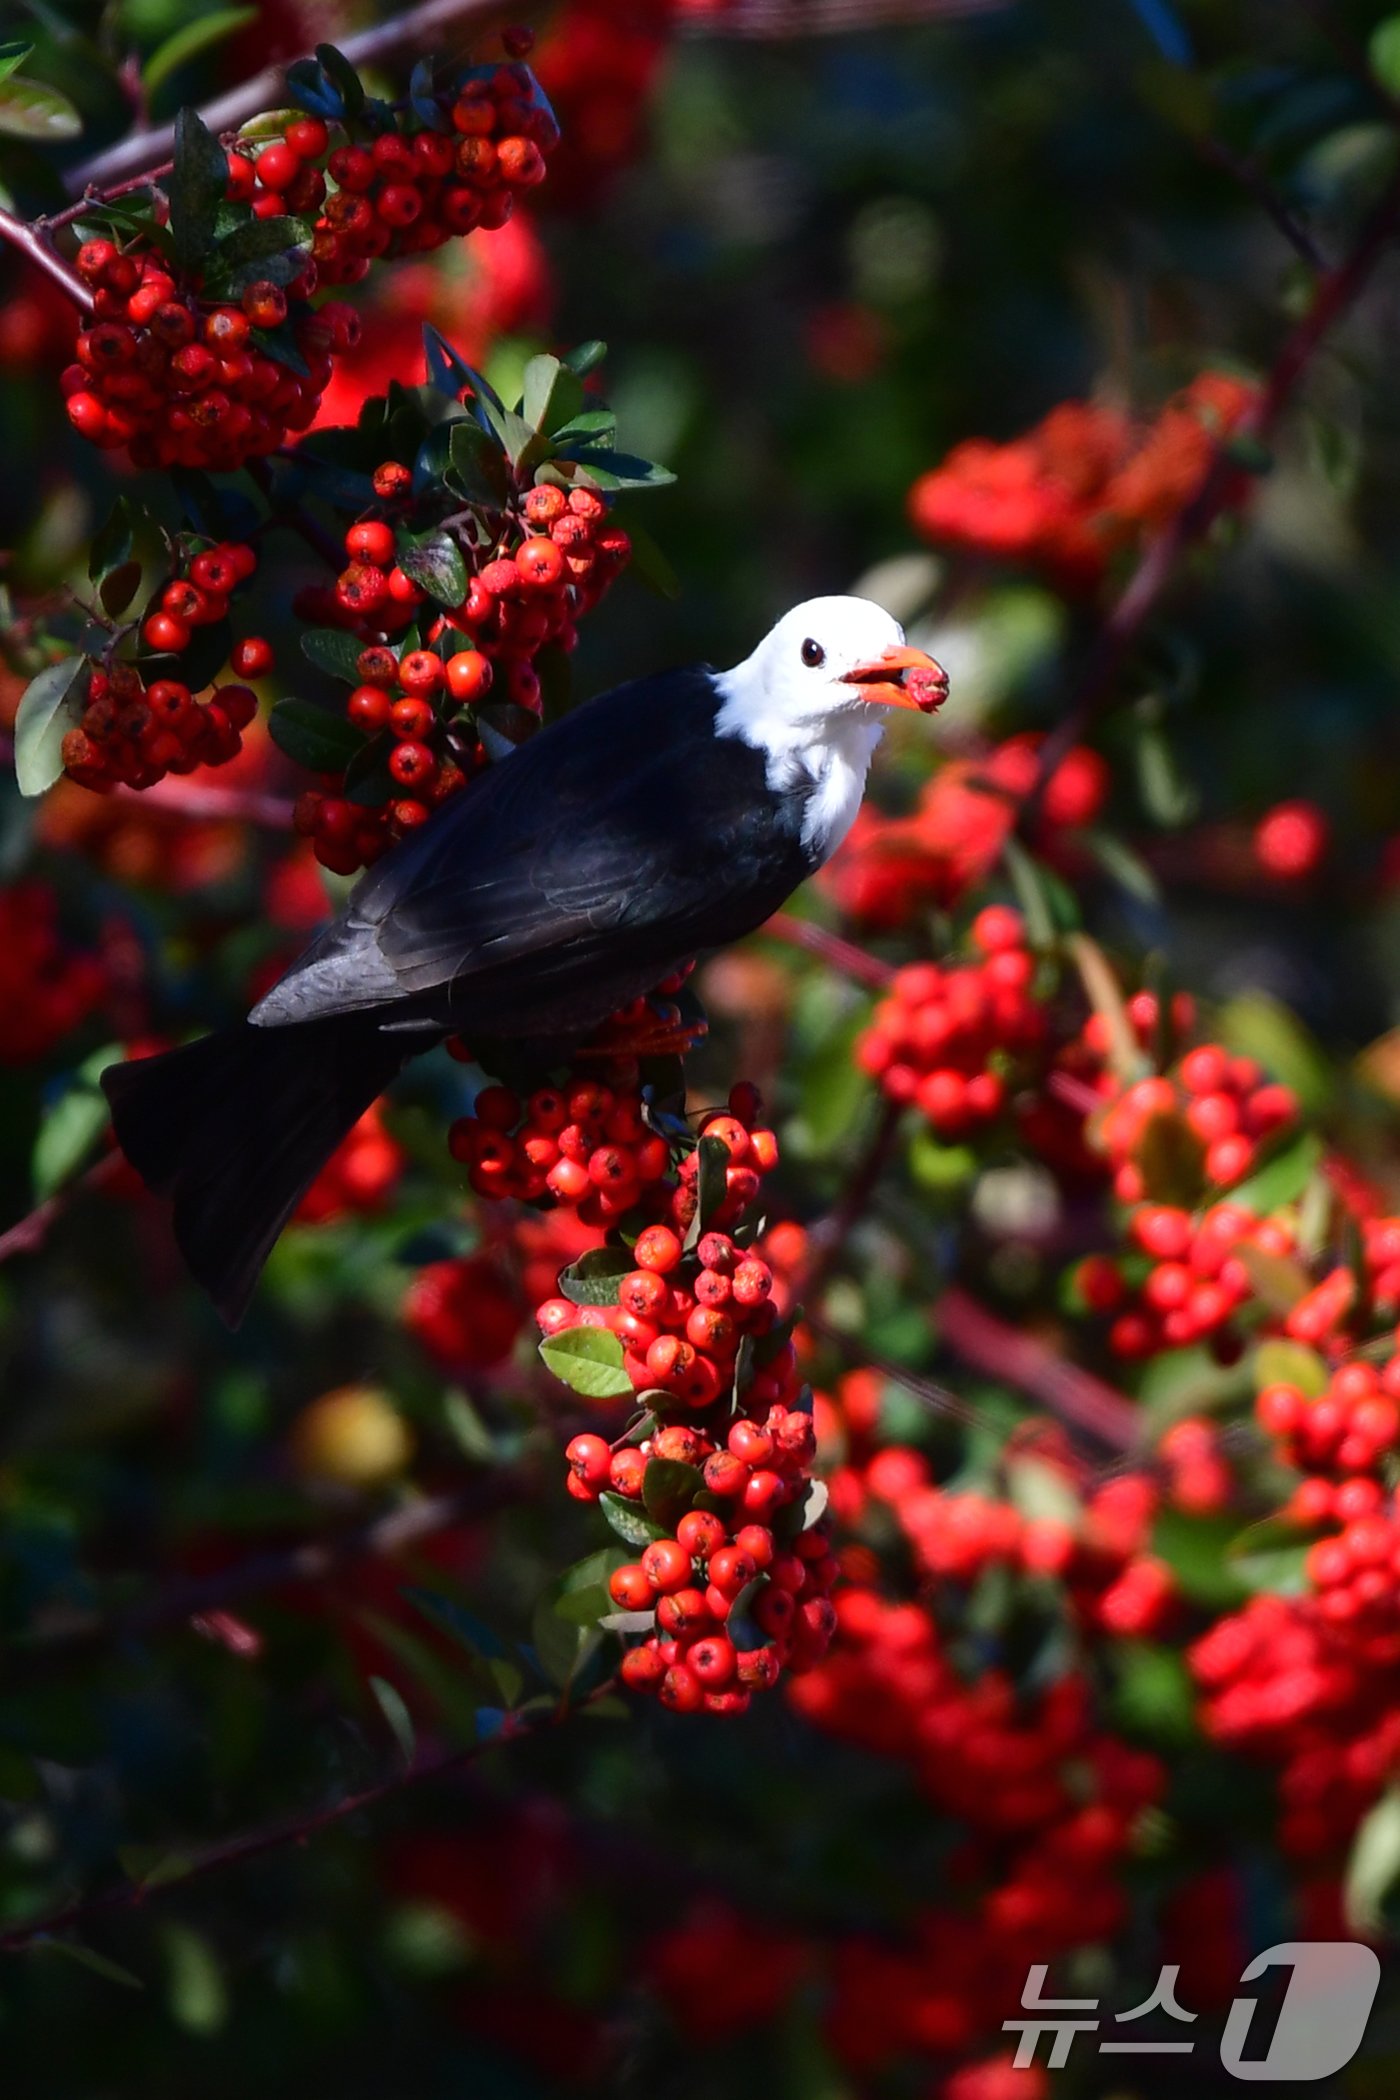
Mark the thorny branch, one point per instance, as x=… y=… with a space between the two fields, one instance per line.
x=294 y=1830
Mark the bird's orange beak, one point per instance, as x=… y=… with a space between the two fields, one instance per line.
x=902 y=678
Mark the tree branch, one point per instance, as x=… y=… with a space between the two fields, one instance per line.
x=142 y=150
x=1075 y=1396
x=1334 y=294
x=309 y=1561
x=842 y=955
x=32 y=241
x=292 y=1830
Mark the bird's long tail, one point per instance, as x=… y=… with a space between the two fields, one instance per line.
x=236 y=1127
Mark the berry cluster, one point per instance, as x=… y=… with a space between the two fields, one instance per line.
x=135 y=728
x=682 y=1320
x=1198 y=1280
x=183 y=381
x=550 y=565
x=893 y=868
x=587 y=1145
x=181 y=377
x=1351 y=1427
x=47 y=989
x=1311 y=1693
x=738 y=1589
x=1098 y=1549
x=1049 y=1804
x=947 y=1037
x=1083 y=485
x=408 y=191
x=1220 y=1106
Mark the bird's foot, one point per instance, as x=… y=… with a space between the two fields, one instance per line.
x=648 y=1028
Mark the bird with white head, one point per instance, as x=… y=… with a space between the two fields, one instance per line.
x=671 y=815
x=804 y=698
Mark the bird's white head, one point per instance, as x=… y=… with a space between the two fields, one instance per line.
x=812 y=695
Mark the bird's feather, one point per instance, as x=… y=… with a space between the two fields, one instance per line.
x=618 y=841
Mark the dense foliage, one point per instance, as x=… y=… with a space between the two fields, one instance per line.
x=703 y=1566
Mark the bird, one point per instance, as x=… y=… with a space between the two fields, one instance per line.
x=664 y=818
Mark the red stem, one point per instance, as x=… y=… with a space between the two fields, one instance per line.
x=267 y=90
x=1077 y=1397
x=1333 y=295
x=33 y=242
x=853 y=962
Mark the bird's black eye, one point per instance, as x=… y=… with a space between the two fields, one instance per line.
x=813 y=654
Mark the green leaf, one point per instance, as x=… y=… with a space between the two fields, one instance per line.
x=552 y=396
x=513 y=433
x=1278 y=1361
x=280 y=344
x=1168 y=797
x=1122 y=865
x=1383 y=52
x=67 y=1135
x=594 y=426
x=269 y=124
x=650 y=563
x=631 y=1524
x=437 y=1676
x=51 y=706
x=1042 y=1491
x=559 y=1643
x=476 y=465
x=116 y=591
x=1374 y=1866
x=669 y=1488
x=449 y=371
x=711 y=1185
x=12 y=57
x=456 y=1621
x=113 y=541
x=311 y=88
x=1171 y=1159
x=619 y=470
x=473 y=1438
x=198 y=1995
x=435 y=564
x=189 y=41
x=1283 y=1178
x=248 y=250
x=315 y=737
x=198 y=181
x=1280 y=1281
x=390 y=1703
x=628 y=1622
x=346 y=79
x=1278 y=1571
x=334 y=651
x=31 y=109
x=1254 y=1025
x=585 y=357
x=593 y=1278
x=1196 y=1549
x=89 y=1958
x=589 y=1359
x=1155 y=1696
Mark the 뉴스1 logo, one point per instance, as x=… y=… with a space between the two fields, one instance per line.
x=1321 y=2022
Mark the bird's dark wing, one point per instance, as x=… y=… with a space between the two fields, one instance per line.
x=630 y=827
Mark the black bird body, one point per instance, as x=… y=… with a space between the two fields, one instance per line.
x=568 y=878
x=671 y=815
